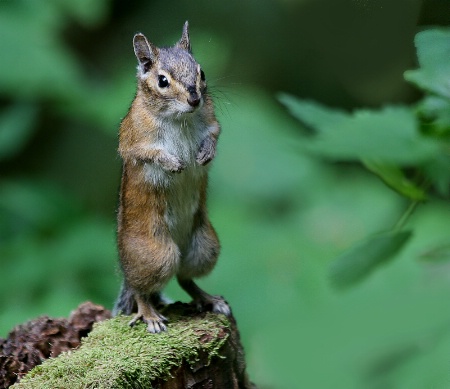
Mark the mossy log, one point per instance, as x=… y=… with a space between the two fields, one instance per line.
x=199 y=350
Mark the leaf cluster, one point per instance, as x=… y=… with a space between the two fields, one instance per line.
x=408 y=147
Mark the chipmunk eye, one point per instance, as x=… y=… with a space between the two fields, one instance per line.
x=202 y=75
x=163 y=82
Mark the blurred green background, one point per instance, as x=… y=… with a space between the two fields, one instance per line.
x=282 y=213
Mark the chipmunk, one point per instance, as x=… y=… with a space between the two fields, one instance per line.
x=166 y=141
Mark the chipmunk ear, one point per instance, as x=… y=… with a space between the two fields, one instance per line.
x=184 y=42
x=145 y=52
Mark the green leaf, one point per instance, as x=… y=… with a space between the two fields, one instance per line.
x=394 y=177
x=433 y=51
x=390 y=135
x=16 y=127
x=438 y=171
x=436 y=254
x=313 y=114
x=436 y=110
x=359 y=261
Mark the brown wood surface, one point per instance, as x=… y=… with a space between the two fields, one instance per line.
x=29 y=344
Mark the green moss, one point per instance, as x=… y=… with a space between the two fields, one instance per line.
x=117 y=356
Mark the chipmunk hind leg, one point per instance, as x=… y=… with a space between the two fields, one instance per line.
x=129 y=302
x=149 y=315
x=126 y=303
x=200 y=259
x=202 y=252
x=203 y=300
x=149 y=262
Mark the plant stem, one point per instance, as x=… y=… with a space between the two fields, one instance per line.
x=404 y=218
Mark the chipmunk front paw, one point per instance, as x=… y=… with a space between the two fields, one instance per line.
x=207 y=151
x=171 y=163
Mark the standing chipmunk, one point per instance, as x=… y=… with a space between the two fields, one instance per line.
x=166 y=141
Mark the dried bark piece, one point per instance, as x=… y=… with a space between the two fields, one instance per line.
x=29 y=344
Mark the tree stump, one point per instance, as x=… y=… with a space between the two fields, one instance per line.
x=199 y=350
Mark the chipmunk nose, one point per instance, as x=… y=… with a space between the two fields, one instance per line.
x=193 y=99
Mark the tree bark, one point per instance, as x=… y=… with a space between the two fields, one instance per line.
x=199 y=350
x=31 y=343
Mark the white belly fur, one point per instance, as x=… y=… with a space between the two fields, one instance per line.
x=183 y=189
x=182 y=204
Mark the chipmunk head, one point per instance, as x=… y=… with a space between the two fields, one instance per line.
x=170 y=78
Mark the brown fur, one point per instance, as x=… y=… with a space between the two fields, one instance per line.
x=165 y=143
